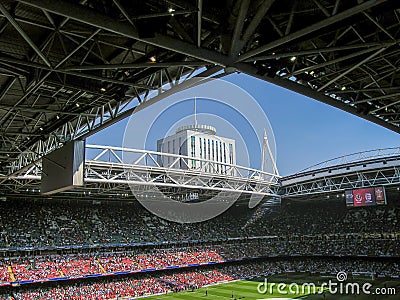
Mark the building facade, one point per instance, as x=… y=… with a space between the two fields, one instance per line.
x=206 y=151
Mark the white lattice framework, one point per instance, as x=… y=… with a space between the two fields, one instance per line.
x=108 y=168
x=363 y=169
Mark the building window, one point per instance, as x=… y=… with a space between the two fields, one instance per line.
x=193 y=146
x=193 y=150
x=205 y=149
x=209 y=149
x=216 y=155
x=220 y=152
x=201 y=147
x=201 y=152
x=224 y=153
x=230 y=154
x=224 y=158
x=216 y=150
x=212 y=149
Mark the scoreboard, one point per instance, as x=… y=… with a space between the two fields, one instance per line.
x=370 y=196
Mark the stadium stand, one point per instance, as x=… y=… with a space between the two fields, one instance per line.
x=127 y=247
x=189 y=279
x=34 y=223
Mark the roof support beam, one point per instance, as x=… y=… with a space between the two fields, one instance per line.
x=322 y=8
x=199 y=18
x=73 y=73
x=386 y=89
x=90 y=17
x=377 y=98
x=14 y=23
x=336 y=7
x=317 y=51
x=45 y=110
x=255 y=21
x=314 y=27
x=385 y=107
x=135 y=66
x=7 y=87
x=379 y=26
x=120 y=7
x=352 y=68
x=291 y=18
x=237 y=31
x=164 y=14
x=334 y=61
x=306 y=91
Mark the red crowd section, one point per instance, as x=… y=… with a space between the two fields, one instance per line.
x=127 y=287
x=43 y=268
x=4 y=274
x=98 y=291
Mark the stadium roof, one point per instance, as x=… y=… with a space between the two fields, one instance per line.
x=69 y=68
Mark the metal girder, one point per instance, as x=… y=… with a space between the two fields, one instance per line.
x=338 y=184
x=145 y=169
x=379 y=47
x=103 y=49
x=237 y=32
x=135 y=66
x=255 y=21
x=342 y=74
x=96 y=120
x=90 y=17
x=317 y=26
x=71 y=70
x=106 y=171
x=199 y=21
x=26 y=37
x=362 y=169
x=309 y=92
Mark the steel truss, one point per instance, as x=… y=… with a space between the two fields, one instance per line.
x=96 y=120
x=343 y=182
x=373 y=170
x=356 y=158
x=70 y=68
x=109 y=172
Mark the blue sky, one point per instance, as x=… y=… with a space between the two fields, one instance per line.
x=306 y=131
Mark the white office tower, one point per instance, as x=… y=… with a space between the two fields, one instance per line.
x=210 y=152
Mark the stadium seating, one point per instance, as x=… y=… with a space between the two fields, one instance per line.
x=113 y=238
x=42 y=224
x=190 y=279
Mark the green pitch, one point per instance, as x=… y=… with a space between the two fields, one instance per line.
x=245 y=290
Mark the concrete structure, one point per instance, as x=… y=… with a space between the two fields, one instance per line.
x=210 y=153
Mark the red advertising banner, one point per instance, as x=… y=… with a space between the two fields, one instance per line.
x=380 y=195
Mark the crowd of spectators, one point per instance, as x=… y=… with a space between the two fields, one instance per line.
x=96 y=291
x=4 y=273
x=77 y=265
x=294 y=229
x=308 y=246
x=56 y=266
x=192 y=280
x=196 y=278
x=34 y=223
x=158 y=258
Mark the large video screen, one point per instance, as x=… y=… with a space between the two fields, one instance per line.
x=366 y=197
